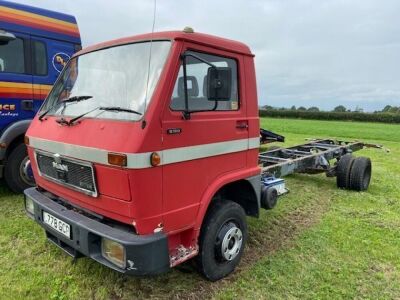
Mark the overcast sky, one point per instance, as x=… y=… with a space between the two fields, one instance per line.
x=308 y=52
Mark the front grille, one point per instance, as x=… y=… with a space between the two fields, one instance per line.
x=72 y=173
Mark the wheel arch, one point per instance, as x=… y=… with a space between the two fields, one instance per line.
x=12 y=136
x=244 y=190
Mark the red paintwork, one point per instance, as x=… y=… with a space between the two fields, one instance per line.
x=198 y=38
x=23 y=96
x=173 y=197
x=15 y=95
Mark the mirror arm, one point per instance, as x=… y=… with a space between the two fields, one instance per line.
x=186 y=112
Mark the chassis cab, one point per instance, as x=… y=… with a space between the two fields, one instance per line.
x=145 y=153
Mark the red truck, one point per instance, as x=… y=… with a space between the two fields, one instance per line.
x=146 y=154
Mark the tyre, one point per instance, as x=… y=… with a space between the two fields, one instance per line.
x=18 y=174
x=222 y=239
x=343 y=170
x=269 y=197
x=360 y=175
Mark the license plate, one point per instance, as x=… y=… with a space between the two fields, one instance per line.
x=57 y=224
x=280 y=188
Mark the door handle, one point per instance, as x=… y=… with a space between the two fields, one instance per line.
x=244 y=124
x=27 y=105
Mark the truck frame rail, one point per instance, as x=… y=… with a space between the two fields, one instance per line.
x=312 y=157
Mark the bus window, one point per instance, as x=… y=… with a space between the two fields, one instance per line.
x=12 y=59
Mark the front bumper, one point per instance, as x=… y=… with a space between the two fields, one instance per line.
x=145 y=255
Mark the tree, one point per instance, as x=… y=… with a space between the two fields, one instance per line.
x=302 y=108
x=387 y=108
x=393 y=109
x=293 y=108
x=313 y=108
x=267 y=107
x=339 y=108
x=359 y=109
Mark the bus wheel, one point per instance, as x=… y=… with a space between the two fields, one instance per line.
x=18 y=171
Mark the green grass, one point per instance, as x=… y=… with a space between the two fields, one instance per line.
x=319 y=242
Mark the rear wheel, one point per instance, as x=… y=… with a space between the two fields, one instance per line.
x=360 y=175
x=222 y=239
x=343 y=170
x=18 y=171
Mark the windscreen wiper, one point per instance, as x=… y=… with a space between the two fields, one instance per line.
x=62 y=121
x=76 y=99
x=119 y=109
x=64 y=101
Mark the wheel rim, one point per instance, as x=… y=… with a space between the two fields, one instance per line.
x=229 y=242
x=25 y=171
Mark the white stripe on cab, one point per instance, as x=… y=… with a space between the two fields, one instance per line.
x=142 y=160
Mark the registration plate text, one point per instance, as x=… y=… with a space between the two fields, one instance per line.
x=57 y=224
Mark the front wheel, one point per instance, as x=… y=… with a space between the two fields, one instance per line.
x=18 y=171
x=222 y=239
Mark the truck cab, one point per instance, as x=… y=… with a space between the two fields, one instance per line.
x=35 y=45
x=142 y=144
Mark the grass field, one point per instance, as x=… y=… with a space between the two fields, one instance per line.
x=319 y=242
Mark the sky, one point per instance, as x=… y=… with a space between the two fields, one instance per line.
x=320 y=53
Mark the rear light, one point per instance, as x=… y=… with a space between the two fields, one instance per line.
x=26 y=140
x=117 y=159
x=114 y=252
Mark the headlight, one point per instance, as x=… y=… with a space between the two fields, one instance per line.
x=113 y=252
x=29 y=207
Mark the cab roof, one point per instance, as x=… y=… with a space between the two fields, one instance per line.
x=198 y=38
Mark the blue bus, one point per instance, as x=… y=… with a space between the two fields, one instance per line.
x=35 y=44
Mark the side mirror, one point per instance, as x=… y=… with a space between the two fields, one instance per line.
x=219 y=83
x=6 y=37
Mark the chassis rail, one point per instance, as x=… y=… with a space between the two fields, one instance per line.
x=312 y=157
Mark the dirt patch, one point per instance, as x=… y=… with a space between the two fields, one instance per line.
x=278 y=234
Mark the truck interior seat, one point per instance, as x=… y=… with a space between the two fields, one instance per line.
x=196 y=102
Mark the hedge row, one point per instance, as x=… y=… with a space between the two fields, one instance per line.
x=325 y=115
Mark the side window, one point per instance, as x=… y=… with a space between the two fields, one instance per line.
x=39 y=58
x=196 y=74
x=12 y=58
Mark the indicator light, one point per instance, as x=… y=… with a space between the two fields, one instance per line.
x=117 y=159
x=155 y=159
x=113 y=252
x=29 y=206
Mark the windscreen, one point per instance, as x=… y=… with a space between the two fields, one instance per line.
x=112 y=77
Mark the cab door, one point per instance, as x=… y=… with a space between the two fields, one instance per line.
x=207 y=144
x=15 y=79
